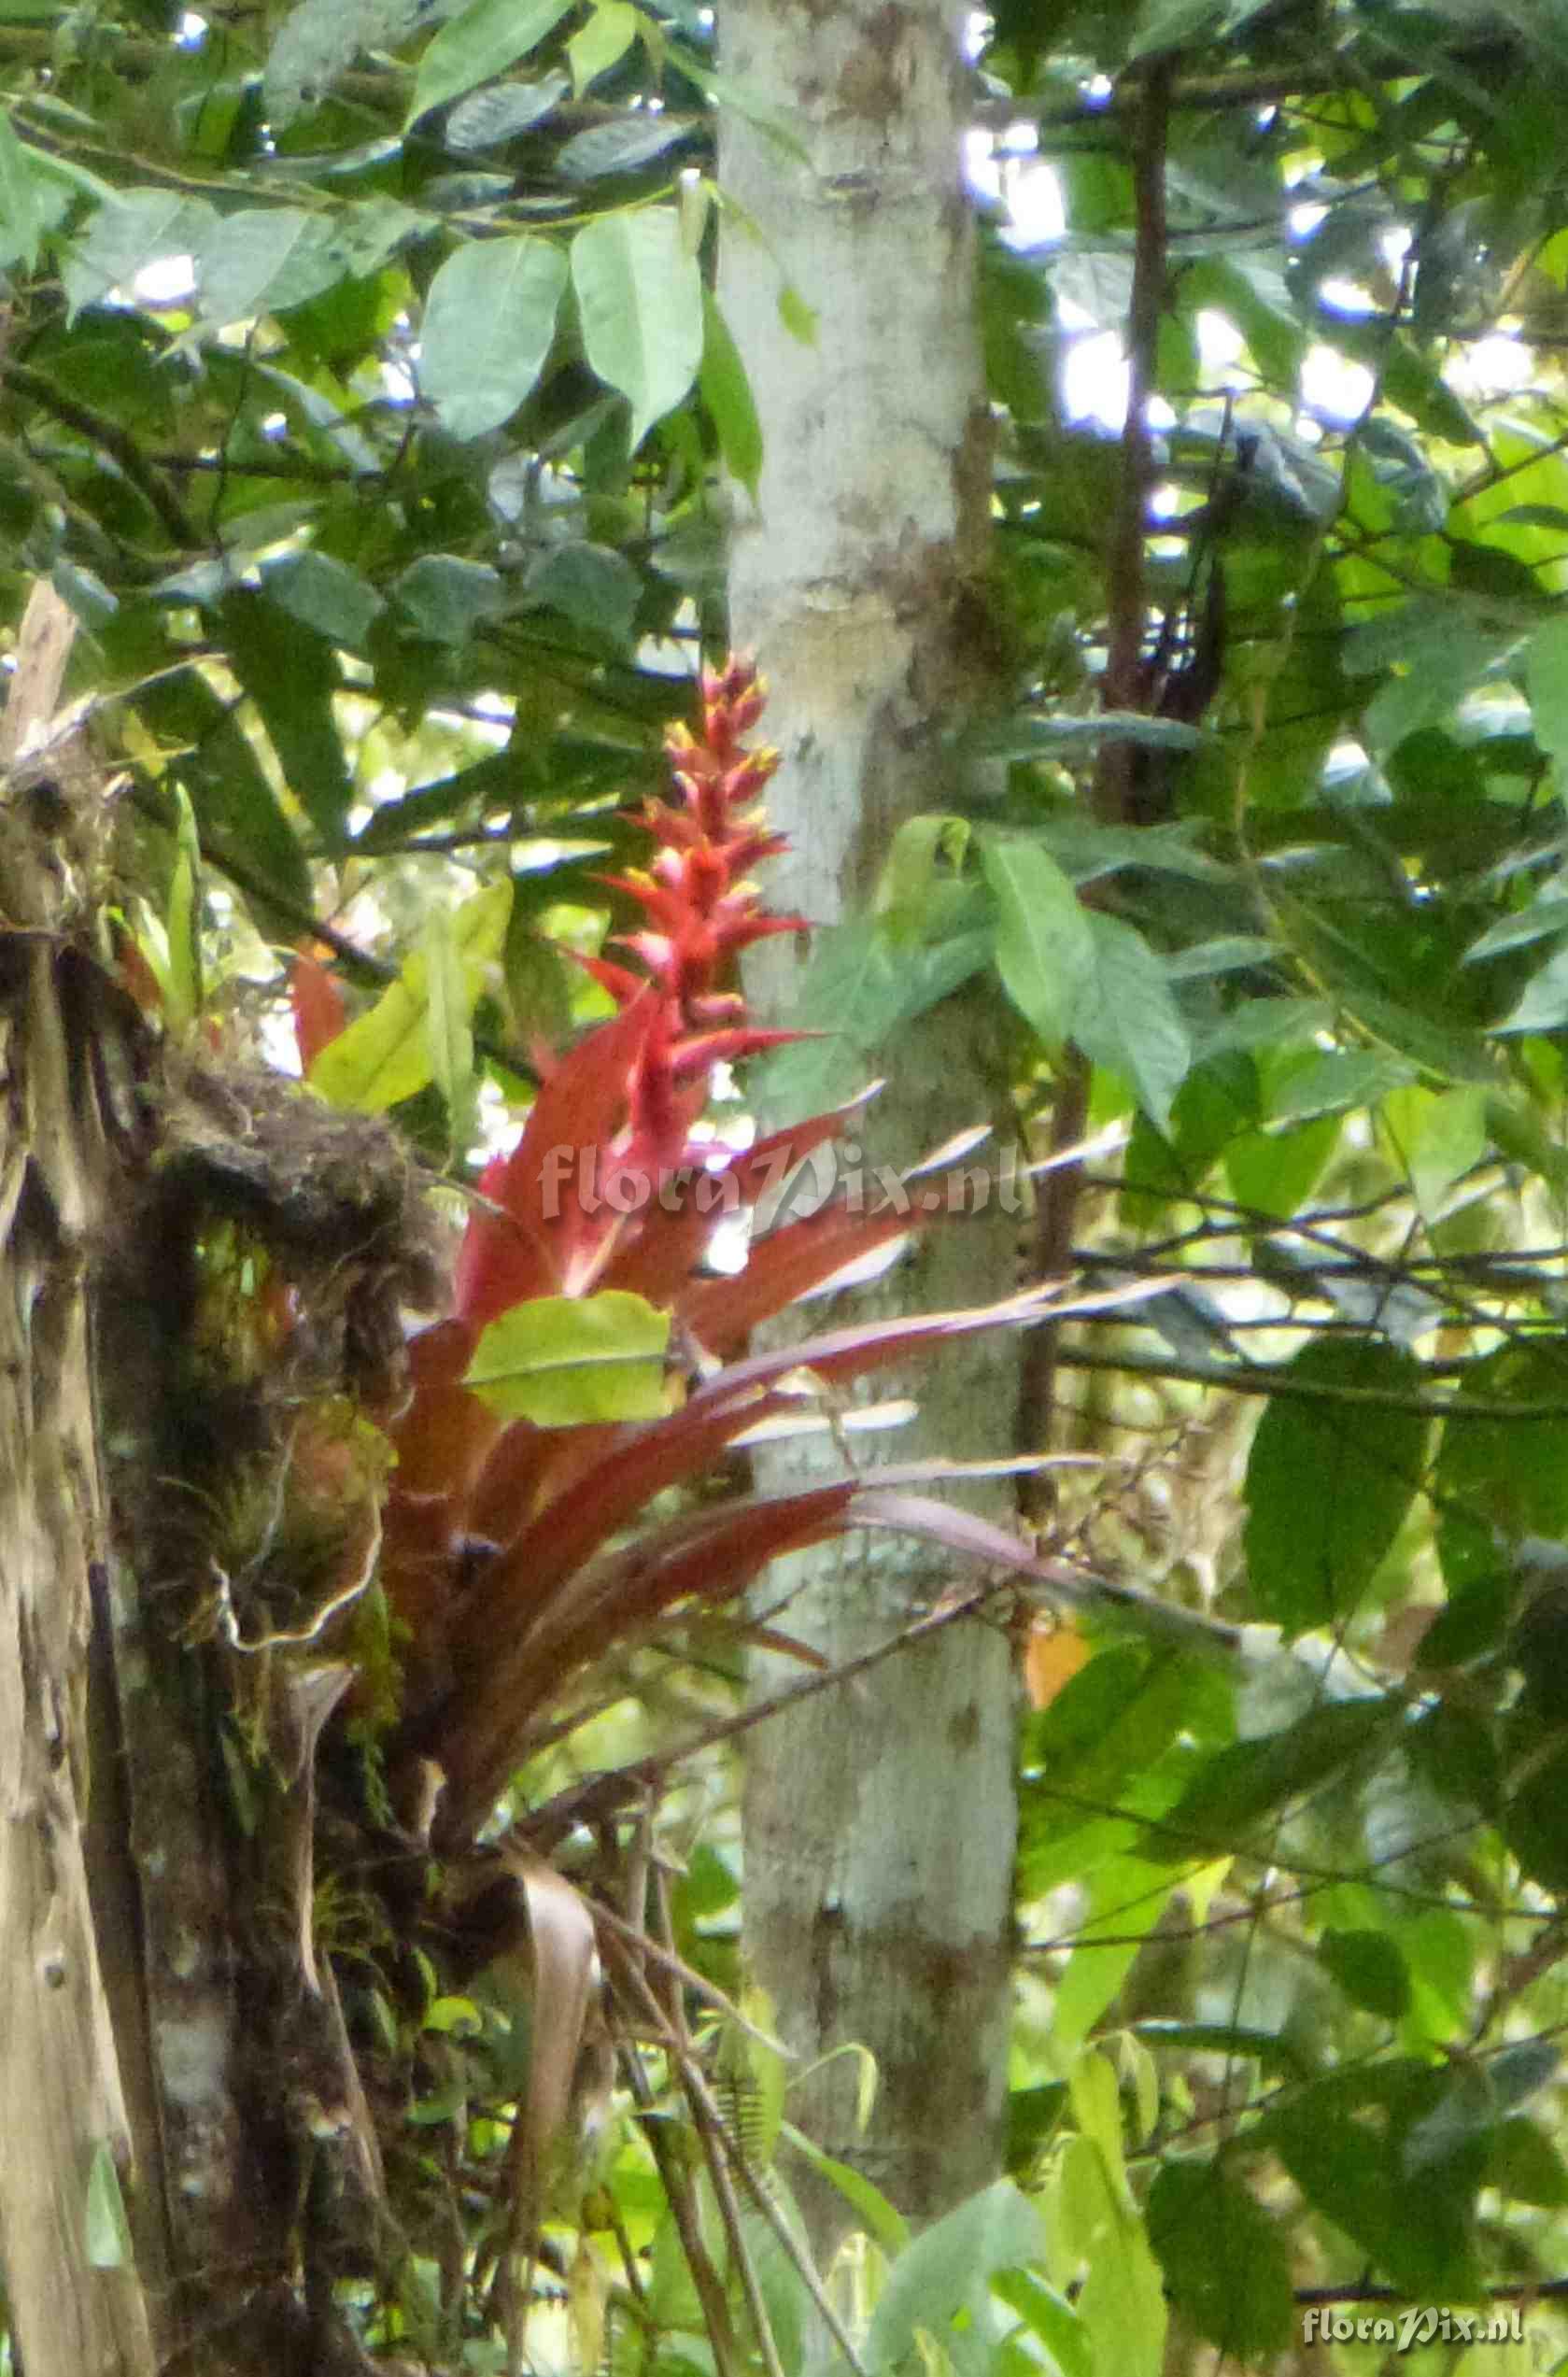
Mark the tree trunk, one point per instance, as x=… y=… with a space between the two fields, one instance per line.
x=879 y=1820
x=73 y=2312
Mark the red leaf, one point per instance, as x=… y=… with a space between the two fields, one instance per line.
x=621 y=1483
x=784 y=1266
x=528 y=1247
x=317 y=1001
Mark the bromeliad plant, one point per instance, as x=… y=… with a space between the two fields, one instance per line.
x=592 y=1364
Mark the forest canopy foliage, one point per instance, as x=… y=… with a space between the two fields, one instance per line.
x=365 y=394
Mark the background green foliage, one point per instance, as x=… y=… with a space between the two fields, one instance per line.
x=365 y=394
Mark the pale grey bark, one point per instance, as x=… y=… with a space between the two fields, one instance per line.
x=880 y=1819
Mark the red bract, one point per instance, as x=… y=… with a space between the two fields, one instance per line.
x=507 y=1550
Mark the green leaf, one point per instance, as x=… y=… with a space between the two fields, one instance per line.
x=1546 y=679
x=1122 y=2304
x=239 y=814
x=878 y=2217
x=947 y=2270
x=481 y=41
x=1126 y=1899
x=108 y=2230
x=182 y=986
x=861 y=983
x=727 y=394
x=292 y=680
x=562 y=1361
x=1258 y=1778
x=21 y=223
x=1346 y=2141
x=1224 y=2259
x=385 y=1056
x=243 y=256
x=326 y=595
x=1543 y=920
x=603 y=41
x=1124 y=1016
x=320 y=40
x=138 y=228
x=1542 y=1005
x=639 y=295
x=1328 y=1486
x=1032 y=738
x=593 y=585
x=503 y=111
x=446 y=598
x=1503 y=1476
x=1369 y=1969
x=449 y=1029
x=489 y=321
x=619 y=148
x=1048 y=2316
x=1044 y=943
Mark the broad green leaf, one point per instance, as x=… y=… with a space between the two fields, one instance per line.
x=728 y=395
x=1499 y=1479
x=1369 y=1969
x=384 y=1057
x=1126 y=1900
x=242 y=257
x=860 y=985
x=1525 y=2166
x=107 y=2228
x=1346 y=2142
x=447 y=597
x=592 y=585
x=1438 y=651
x=1328 y=1484
x=1439 y=1135
x=947 y=2270
x=1542 y=1005
x=451 y=1029
x=22 y=222
x=603 y=41
x=1224 y=2259
x=324 y=594
x=640 y=295
x=320 y=40
x=1044 y=943
x=1123 y=2302
x=1122 y=1016
x=137 y=228
x=1261 y=1778
x=292 y=680
x=914 y=876
x=490 y=321
x=1546 y=677
x=562 y=1361
x=239 y=814
x=480 y=41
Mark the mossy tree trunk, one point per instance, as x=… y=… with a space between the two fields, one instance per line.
x=68 y=2137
